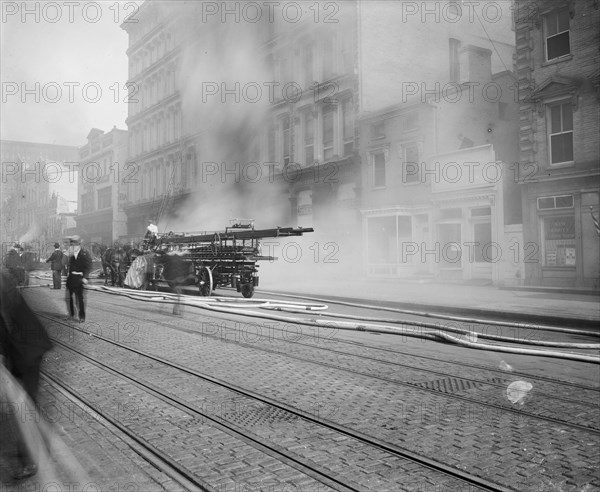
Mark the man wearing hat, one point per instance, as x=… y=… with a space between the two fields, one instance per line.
x=80 y=264
x=151 y=233
x=56 y=265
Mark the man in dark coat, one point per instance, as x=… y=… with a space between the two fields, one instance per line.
x=28 y=261
x=14 y=263
x=23 y=343
x=80 y=264
x=56 y=265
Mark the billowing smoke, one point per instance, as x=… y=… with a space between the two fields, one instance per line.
x=218 y=57
x=225 y=72
x=33 y=233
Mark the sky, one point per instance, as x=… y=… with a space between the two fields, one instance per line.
x=63 y=68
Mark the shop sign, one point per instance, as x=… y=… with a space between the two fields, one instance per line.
x=560 y=227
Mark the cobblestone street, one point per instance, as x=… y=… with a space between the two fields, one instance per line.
x=430 y=404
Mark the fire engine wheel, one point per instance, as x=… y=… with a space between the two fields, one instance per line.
x=247 y=290
x=205 y=282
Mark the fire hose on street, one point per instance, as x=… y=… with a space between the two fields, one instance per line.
x=438 y=332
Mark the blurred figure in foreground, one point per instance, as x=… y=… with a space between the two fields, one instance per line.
x=23 y=343
x=80 y=265
x=178 y=271
x=14 y=263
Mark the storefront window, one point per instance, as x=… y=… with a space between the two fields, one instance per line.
x=559 y=241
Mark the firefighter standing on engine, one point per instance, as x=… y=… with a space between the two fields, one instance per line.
x=151 y=234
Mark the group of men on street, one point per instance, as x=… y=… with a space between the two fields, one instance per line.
x=76 y=264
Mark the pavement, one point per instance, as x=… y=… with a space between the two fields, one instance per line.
x=428 y=423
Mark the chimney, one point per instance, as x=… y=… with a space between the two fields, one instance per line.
x=475 y=64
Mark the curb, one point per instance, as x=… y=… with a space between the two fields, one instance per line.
x=554 y=290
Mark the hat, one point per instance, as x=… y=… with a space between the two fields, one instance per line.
x=56 y=245
x=75 y=239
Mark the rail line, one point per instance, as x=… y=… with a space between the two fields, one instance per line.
x=203 y=376
x=494 y=406
x=502 y=373
x=151 y=454
x=166 y=463
x=323 y=476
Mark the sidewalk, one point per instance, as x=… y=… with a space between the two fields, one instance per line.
x=522 y=305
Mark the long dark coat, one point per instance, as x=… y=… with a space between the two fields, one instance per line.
x=23 y=338
x=56 y=260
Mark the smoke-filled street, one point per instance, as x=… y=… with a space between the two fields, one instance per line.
x=300 y=245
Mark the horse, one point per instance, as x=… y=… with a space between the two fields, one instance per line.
x=114 y=264
x=131 y=253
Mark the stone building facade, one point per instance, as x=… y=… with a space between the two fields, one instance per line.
x=558 y=66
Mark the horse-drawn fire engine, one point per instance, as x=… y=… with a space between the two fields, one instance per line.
x=216 y=259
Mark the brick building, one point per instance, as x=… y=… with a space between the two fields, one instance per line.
x=558 y=66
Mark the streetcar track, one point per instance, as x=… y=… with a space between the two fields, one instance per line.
x=228 y=427
x=436 y=359
x=142 y=447
x=374 y=347
x=385 y=379
x=420 y=369
x=372 y=441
